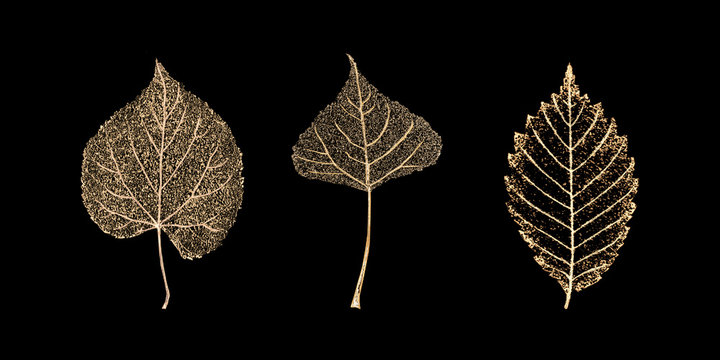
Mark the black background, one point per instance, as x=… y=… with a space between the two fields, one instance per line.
x=446 y=260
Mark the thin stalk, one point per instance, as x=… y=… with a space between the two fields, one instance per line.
x=567 y=298
x=162 y=267
x=356 y=298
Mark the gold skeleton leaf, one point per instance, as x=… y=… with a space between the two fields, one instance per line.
x=361 y=140
x=167 y=162
x=571 y=188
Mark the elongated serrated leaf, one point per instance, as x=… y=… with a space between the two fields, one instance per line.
x=363 y=139
x=165 y=161
x=571 y=188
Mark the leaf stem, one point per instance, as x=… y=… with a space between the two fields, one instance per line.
x=567 y=298
x=358 y=288
x=162 y=267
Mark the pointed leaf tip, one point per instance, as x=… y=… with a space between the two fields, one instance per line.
x=569 y=76
x=353 y=65
x=159 y=68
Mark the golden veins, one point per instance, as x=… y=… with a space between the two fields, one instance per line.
x=361 y=140
x=167 y=162
x=571 y=188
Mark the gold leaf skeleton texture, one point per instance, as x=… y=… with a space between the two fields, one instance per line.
x=361 y=140
x=165 y=162
x=571 y=188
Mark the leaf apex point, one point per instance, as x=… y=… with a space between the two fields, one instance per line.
x=569 y=75
x=353 y=64
x=159 y=67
